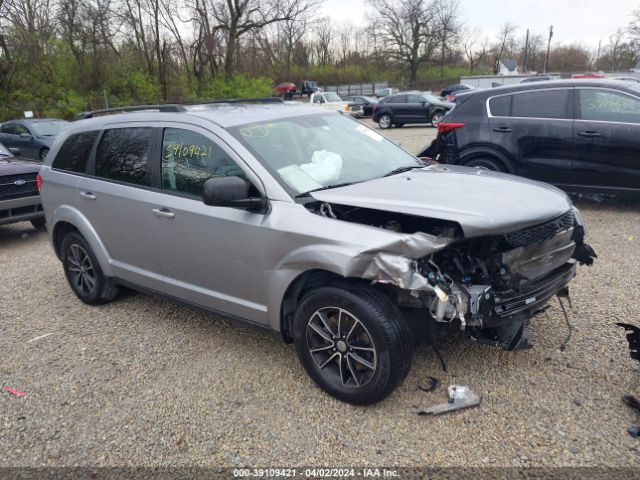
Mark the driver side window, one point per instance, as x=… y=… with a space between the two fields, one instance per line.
x=189 y=159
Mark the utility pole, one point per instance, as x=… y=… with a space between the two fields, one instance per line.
x=526 y=53
x=106 y=101
x=598 y=57
x=546 y=60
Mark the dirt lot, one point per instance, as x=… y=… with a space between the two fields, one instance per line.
x=144 y=382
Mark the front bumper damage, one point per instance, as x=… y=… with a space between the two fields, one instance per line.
x=535 y=265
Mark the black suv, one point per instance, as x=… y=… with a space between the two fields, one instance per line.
x=577 y=134
x=410 y=107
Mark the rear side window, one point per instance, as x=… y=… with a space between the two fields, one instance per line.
x=541 y=104
x=397 y=99
x=123 y=155
x=74 y=154
x=500 y=106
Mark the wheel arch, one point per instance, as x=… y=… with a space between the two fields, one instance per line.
x=68 y=219
x=475 y=152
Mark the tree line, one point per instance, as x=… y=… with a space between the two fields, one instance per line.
x=62 y=56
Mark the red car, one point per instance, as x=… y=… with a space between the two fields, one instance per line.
x=588 y=75
x=286 y=89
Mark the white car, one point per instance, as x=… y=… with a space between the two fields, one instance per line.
x=332 y=101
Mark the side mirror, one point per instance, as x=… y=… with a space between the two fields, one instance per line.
x=16 y=151
x=25 y=135
x=231 y=192
x=423 y=103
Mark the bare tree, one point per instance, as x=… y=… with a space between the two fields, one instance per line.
x=406 y=31
x=449 y=24
x=505 y=42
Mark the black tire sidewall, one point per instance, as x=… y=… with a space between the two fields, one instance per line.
x=388 y=372
x=96 y=297
x=43 y=154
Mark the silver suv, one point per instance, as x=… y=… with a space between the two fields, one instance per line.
x=310 y=224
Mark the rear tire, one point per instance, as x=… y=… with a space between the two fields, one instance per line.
x=385 y=121
x=353 y=342
x=43 y=154
x=486 y=163
x=83 y=271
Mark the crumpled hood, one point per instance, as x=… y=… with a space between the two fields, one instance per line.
x=482 y=202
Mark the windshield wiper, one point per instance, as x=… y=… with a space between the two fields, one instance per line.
x=328 y=187
x=403 y=170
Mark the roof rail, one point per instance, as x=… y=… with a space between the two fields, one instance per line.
x=239 y=100
x=137 y=108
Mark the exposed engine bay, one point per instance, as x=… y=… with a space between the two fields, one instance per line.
x=490 y=286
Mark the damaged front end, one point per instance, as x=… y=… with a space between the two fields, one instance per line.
x=491 y=286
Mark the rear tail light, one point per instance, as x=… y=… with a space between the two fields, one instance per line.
x=39 y=182
x=446 y=127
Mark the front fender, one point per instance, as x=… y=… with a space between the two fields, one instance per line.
x=69 y=214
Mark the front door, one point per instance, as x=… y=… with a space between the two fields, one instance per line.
x=534 y=128
x=115 y=201
x=607 y=139
x=210 y=256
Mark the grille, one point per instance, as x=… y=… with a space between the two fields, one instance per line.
x=9 y=189
x=541 y=233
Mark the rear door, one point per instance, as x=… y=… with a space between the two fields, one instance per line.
x=535 y=129
x=397 y=105
x=115 y=200
x=607 y=139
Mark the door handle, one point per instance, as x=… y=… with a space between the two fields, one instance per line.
x=589 y=134
x=163 y=213
x=503 y=129
x=87 y=195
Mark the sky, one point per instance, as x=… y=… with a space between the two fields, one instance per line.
x=582 y=21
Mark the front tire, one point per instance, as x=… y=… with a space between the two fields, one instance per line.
x=353 y=342
x=43 y=154
x=385 y=121
x=83 y=272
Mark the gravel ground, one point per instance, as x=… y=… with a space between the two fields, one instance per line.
x=147 y=383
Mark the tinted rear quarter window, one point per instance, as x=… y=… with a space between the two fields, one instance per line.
x=500 y=106
x=122 y=155
x=74 y=154
x=541 y=104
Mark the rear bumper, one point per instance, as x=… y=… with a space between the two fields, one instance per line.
x=20 y=209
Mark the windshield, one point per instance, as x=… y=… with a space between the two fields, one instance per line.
x=49 y=128
x=332 y=97
x=320 y=151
